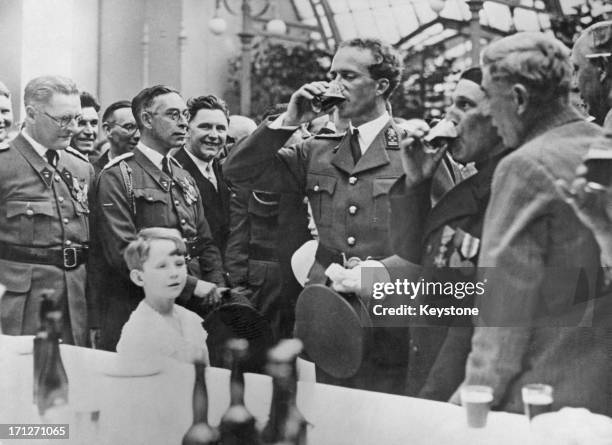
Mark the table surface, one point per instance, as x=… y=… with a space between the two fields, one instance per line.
x=157 y=409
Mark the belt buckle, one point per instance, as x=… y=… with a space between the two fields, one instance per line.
x=70 y=258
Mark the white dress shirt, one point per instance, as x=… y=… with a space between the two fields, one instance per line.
x=37 y=146
x=155 y=157
x=206 y=168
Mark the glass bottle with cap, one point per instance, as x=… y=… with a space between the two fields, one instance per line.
x=200 y=432
x=53 y=380
x=237 y=424
x=286 y=424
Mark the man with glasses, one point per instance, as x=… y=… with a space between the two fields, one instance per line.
x=6 y=115
x=44 y=213
x=346 y=177
x=146 y=187
x=87 y=133
x=121 y=132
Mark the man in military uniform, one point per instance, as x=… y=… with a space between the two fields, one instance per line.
x=44 y=213
x=147 y=188
x=6 y=114
x=346 y=178
x=592 y=60
x=445 y=239
x=120 y=130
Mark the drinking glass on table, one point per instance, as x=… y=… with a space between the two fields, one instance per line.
x=477 y=402
x=537 y=399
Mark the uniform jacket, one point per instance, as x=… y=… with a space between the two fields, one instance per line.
x=215 y=201
x=156 y=201
x=540 y=261
x=438 y=351
x=43 y=207
x=265 y=230
x=349 y=201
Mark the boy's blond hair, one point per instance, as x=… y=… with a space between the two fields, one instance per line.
x=137 y=252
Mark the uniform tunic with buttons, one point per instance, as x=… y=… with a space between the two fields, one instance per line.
x=350 y=207
x=43 y=207
x=156 y=200
x=349 y=201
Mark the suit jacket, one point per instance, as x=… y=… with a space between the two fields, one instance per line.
x=439 y=348
x=215 y=201
x=156 y=201
x=45 y=208
x=539 y=262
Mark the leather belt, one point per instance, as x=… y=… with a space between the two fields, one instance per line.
x=67 y=258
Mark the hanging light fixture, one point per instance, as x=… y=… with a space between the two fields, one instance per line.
x=217 y=25
x=437 y=5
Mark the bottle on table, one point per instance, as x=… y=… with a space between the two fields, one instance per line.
x=237 y=424
x=41 y=346
x=52 y=388
x=286 y=424
x=200 y=432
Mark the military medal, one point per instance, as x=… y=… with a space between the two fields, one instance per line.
x=391 y=138
x=79 y=192
x=189 y=191
x=441 y=258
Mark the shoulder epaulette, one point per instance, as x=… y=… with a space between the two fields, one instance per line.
x=116 y=160
x=77 y=153
x=4 y=146
x=329 y=136
x=177 y=163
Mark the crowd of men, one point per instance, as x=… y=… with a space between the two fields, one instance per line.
x=527 y=222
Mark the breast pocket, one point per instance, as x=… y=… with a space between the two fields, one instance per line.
x=320 y=190
x=151 y=208
x=380 y=196
x=30 y=221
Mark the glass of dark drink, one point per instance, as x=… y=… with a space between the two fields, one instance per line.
x=328 y=100
x=439 y=136
x=537 y=398
x=477 y=402
x=599 y=164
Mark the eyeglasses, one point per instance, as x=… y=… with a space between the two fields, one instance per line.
x=129 y=127
x=175 y=115
x=63 y=121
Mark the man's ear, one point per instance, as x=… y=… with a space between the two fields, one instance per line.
x=146 y=118
x=382 y=85
x=521 y=98
x=30 y=111
x=136 y=277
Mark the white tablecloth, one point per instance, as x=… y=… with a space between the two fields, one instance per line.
x=157 y=409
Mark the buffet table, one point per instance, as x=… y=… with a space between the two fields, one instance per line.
x=156 y=409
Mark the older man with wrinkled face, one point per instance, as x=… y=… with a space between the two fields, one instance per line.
x=539 y=263
x=592 y=61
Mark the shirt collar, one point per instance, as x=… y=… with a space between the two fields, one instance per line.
x=37 y=146
x=369 y=130
x=155 y=157
x=202 y=165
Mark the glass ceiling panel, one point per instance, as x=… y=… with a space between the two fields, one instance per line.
x=304 y=9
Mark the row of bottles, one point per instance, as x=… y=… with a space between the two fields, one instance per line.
x=286 y=425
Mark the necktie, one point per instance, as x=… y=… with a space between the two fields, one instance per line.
x=210 y=175
x=51 y=156
x=355 y=148
x=166 y=166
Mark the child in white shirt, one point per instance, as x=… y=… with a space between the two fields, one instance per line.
x=159 y=327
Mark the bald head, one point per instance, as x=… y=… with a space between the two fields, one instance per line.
x=240 y=127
